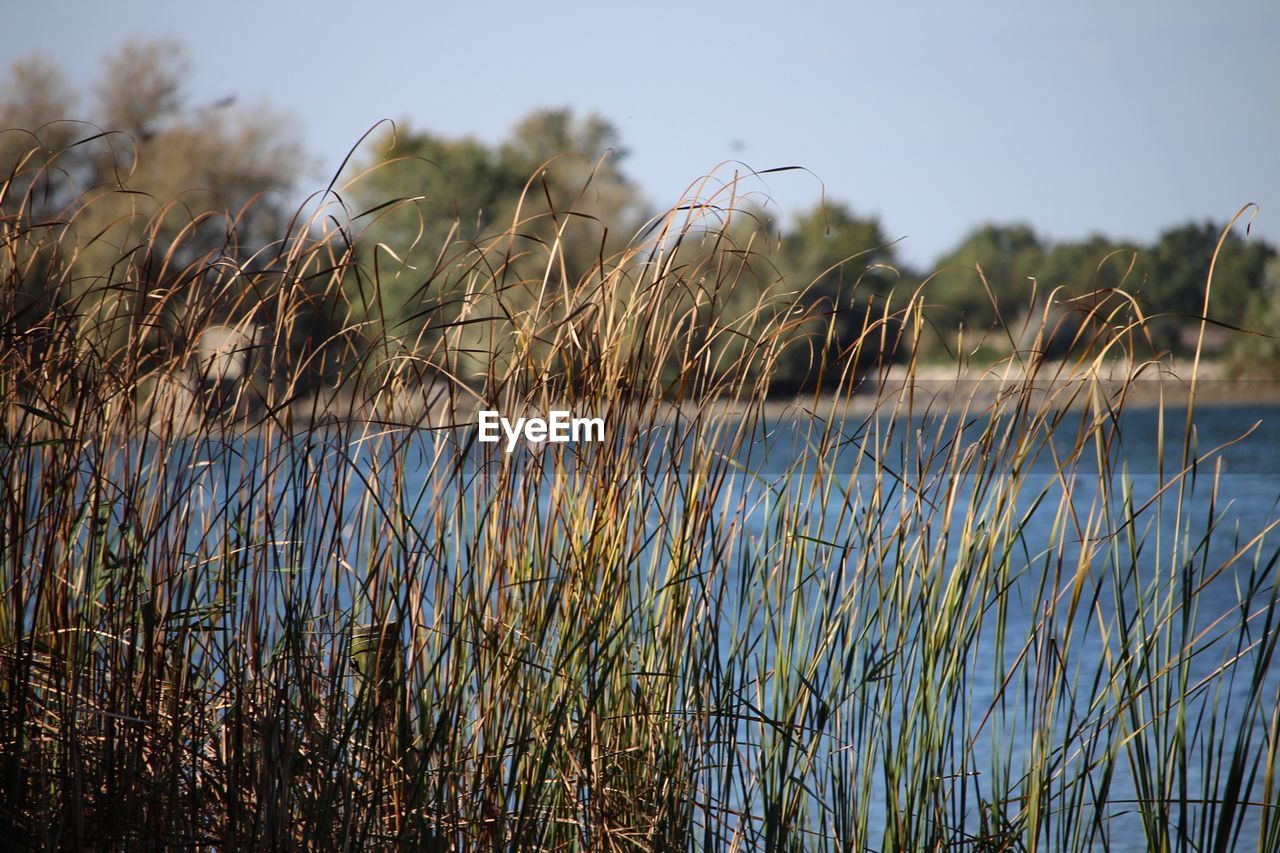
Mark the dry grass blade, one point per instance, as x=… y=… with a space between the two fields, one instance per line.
x=263 y=587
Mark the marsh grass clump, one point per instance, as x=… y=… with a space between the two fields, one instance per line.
x=262 y=587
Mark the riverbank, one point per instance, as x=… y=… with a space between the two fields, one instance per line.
x=896 y=389
x=186 y=406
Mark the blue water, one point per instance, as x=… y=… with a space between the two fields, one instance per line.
x=1217 y=516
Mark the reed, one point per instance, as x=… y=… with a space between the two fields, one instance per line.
x=262 y=587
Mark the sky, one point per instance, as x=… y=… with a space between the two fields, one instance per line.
x=1077 y=118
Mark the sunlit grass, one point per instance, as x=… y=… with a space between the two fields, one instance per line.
x=269 y=595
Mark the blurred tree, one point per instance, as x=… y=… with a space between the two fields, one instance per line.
x=36 y=94
x=729 y=298
x=846 y=268
x=837 y=251
x=1081 y=267
x=1258 y=352
x=1009 y=256
x=433 y=199
x=216 y=162
x=141 y=88
x=1176 y=270
x=579 y=208
x=576 y=165
x=1080 y=277
x=34 y=106
x=153 y=190
x=546 y=204
x=33 y=135
x=216 y=159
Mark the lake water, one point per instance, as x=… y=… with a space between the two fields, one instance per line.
x=1225 y=504
x=1218 y=520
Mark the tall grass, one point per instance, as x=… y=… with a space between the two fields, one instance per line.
x=272 y=592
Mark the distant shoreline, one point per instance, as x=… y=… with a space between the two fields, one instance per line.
x=932 y=393
x=931 y=389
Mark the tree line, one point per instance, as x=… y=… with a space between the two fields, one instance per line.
x=151 y=172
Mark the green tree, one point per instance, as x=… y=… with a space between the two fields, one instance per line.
x=1007 y=257
x=840 y=253
x=212 y=160
x=1079 y=276
x=1257 y=351
x=1176 y=270
x=153 y=189
x=545 y=205
x=579 y=204
x=34 y=133
x=577 y=165
x=433 y=200
x=846 y=268
x=1081 y=267
x=35 y=104
x=730 y=295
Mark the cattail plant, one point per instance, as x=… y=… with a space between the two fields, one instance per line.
x=263 y=587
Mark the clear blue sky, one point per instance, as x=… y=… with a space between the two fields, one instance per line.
x=1115 y=117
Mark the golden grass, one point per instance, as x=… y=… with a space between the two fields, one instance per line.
x=248 y=602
